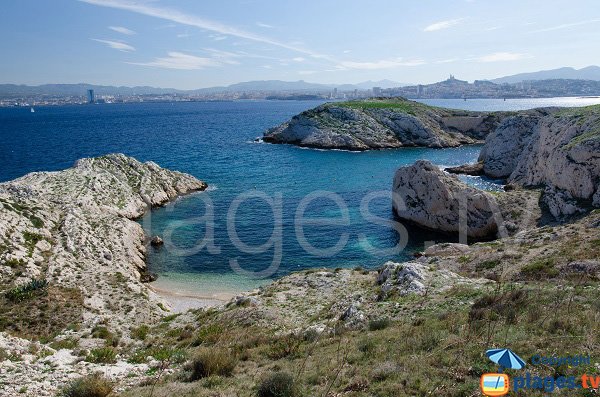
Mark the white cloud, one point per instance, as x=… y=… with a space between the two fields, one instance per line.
x=179 y=17
x=381 y=64
x=501 y=57
x=180 y=61
x=298 y=59
x=117 y=45
x=442 y=25
x=121 y=29
x=225 y=57
x=217 y=37
x=307 y=72
x=264 y=25
x=183 y=35
x=567 y=25
x=449 y=60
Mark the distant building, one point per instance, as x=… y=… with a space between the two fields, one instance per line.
x=91 y=97
x=335 y=93
x=376 y=91
x=420 y=89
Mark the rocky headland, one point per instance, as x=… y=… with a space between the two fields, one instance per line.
x=75 y=230
x=382 y=123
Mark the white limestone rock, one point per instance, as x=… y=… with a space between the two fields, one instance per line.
x=431 y=198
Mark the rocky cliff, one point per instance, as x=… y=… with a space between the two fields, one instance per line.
x=383 y=123
x=74 y=230
x=431 y=198
x=558 y=149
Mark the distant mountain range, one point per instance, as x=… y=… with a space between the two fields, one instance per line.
x=587 y=73
x=300 y=86
x=7 y=90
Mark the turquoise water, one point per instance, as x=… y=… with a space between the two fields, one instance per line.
x=214 y=142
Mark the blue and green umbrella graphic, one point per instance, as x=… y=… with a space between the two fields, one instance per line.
x=505 y=358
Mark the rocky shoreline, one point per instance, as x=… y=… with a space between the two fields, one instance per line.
x=72 y=259
x=76 y=230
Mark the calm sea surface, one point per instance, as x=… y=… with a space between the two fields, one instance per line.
x=214 y=142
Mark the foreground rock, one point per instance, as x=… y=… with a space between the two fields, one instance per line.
x=556 y=148
x=383 y=123
x=418 y=278
x=75 y=229
x=433 y=199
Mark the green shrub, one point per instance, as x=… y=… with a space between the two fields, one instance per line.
x=284 y=346
x=211 y=362
x=103 y=355
x=27 y=291
x=489 y=264
x=540 y=268
x=278 y=384
x=366 y=345
x=209 y=334
x=89 y=386
x=379 y=324
x=140 y=333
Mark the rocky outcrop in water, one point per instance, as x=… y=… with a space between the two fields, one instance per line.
x=556 y=148
x=75 y=229
x=433 y=199
x=383 y=123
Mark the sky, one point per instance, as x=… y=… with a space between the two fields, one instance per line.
x=189 y=44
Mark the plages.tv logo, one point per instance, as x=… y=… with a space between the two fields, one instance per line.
x=498 y=384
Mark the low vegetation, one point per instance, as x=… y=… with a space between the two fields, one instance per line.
x=90 y=386
x=429 y=349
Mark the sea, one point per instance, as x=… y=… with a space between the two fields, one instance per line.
x=269 y=209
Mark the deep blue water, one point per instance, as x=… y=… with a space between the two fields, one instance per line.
x=213 y=141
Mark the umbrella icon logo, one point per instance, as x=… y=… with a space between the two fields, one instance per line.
x=498 y=384
x=505 y=358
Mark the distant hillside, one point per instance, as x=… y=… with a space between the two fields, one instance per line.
x=588 y=73
x=10 y=90
x=14 y=90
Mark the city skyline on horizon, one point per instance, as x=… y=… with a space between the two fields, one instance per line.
x=171 y=44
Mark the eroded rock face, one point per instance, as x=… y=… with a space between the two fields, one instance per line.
x=360 y=126
x=418 y=278
x=558 y=148
x=432 y=199
x=75 y=228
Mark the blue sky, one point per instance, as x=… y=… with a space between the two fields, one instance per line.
x=191 y=44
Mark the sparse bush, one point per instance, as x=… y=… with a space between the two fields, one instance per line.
x=211 y=362
x=27 y=291
x=278 y=384
x=540 y=268
x=384 y=371
x=208 y=334
x=379 y=324
x=89 y=386
x=366 y=345
x=103 y=355
x=284 y=346
x=67 y=343
x=140 y=333
x=489 y=264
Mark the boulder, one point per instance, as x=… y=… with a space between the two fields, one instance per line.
x=474 y=169
x=560 y=203
x=148 y=277
x=419 y=278
x=431 y=198
x=156 y=241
